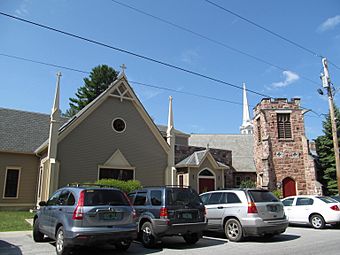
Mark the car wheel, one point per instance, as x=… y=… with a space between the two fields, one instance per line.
x=123 y=245
x=37 y=235
x=317 y=221
x=191 y=238
x=60 y=246
x=148 y=238
x=233 y=230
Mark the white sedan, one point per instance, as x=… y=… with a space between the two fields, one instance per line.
x=314 y=210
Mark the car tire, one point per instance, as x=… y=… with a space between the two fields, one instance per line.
x=147 y=237
x=317 y=221
x=191 y=238
x=60 y=247
x=233 y=230
x=123 y=245
x=37 y=235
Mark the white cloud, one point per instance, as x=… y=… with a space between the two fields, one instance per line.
x=289 y=78
x=189 y=56
x=147 y=94
x=23 y=8
x=329 y=24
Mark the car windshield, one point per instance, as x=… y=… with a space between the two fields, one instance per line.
x=182 y=196
x=262 y=196
x=104 y=197
x=327 y=200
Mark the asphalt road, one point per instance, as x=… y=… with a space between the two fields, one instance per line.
x=296 y=240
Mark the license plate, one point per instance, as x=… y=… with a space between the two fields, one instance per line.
x=187 y=216
x=109 y=216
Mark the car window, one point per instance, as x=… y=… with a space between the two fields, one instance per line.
x=215 y=198
x=205 y=198
x=71 y=200
x=95 y=197
x=262 y=196
x=140 y=198
x=54 y=199
x=182 y=196
x=288 y=202
x=328 y=200
x=62 y=200
x=232 y=198
x=304 y=201
x=156 y=197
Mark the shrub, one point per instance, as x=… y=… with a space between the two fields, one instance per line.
x=247 y=184
x=125 y=186
x=277 y=193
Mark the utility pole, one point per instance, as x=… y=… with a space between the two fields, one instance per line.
x=326 y=83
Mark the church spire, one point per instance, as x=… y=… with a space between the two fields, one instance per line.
x=247 y=126
x=170 y=177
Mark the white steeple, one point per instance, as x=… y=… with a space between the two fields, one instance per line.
x=247 y=125
x=170 y=176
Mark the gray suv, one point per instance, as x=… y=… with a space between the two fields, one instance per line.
x=84 y=215
x=244 y=212
x=167 y=211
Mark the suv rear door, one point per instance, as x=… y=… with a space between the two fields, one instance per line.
x=106 y=207
x=214 y=206
x=268 y=206
x=184 y=205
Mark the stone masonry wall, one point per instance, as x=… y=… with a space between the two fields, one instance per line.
x=275 y=158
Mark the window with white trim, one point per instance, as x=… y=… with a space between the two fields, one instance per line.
x=113 y=173
x=12 y=183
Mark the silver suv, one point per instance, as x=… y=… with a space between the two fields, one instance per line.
x=77 y=216
x=244 y=212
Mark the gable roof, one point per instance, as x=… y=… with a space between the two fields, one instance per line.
x=121 y=89
x=163 y=129
x=241 y=146
x=22 y=131
x=196 y=159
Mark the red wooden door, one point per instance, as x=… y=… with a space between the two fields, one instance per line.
x=206 y=184
x=289 y=187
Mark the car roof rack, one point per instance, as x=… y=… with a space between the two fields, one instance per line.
x=78 y=185
x=167 y=186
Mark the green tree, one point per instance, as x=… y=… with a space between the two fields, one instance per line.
x=98 y=81
x=325 y=151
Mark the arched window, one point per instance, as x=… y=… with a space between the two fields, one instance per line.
x=206 y=172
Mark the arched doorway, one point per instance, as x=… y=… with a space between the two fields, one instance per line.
x=206 y=181
x=289 y=187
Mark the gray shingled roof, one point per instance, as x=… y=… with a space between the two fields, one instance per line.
x=195 y=159
x=240 y=145
x=163 y=129
x=22 y=131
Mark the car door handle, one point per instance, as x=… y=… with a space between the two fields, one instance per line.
x=219 y=207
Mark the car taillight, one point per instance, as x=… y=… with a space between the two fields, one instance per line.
x=163 y=213
x=205 y=211
x=252 y=207
x=335 y=208
x=134 y=214
x=78 y=213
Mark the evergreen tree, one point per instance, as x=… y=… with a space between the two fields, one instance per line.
x=98 y=81
x=325 y=151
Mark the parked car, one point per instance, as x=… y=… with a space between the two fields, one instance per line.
x=337 y=198
x=78 y=216
x=314 y=210
x=168 y=211
x=244 y=212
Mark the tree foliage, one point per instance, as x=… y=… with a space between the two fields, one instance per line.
x=125 y=186
x=325 y=151
x=98 y=81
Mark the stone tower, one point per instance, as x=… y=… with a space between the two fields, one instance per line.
x=247 y=125
x=281 y=150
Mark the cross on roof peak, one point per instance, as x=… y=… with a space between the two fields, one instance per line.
x=123 y=67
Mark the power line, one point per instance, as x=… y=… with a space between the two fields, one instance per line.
x=313 y=53
x=224 y=45
x=140 y=83
x=131 y=53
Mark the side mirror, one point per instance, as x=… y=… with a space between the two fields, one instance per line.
x=42 y=203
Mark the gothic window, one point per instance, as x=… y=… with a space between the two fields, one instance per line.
x=284 y=126
x=259 y=135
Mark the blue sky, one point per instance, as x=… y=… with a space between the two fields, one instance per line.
x=313 y=24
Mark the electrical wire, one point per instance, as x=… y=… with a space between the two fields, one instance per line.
x=313 y=53
x=224 y=45
x=132 y=54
